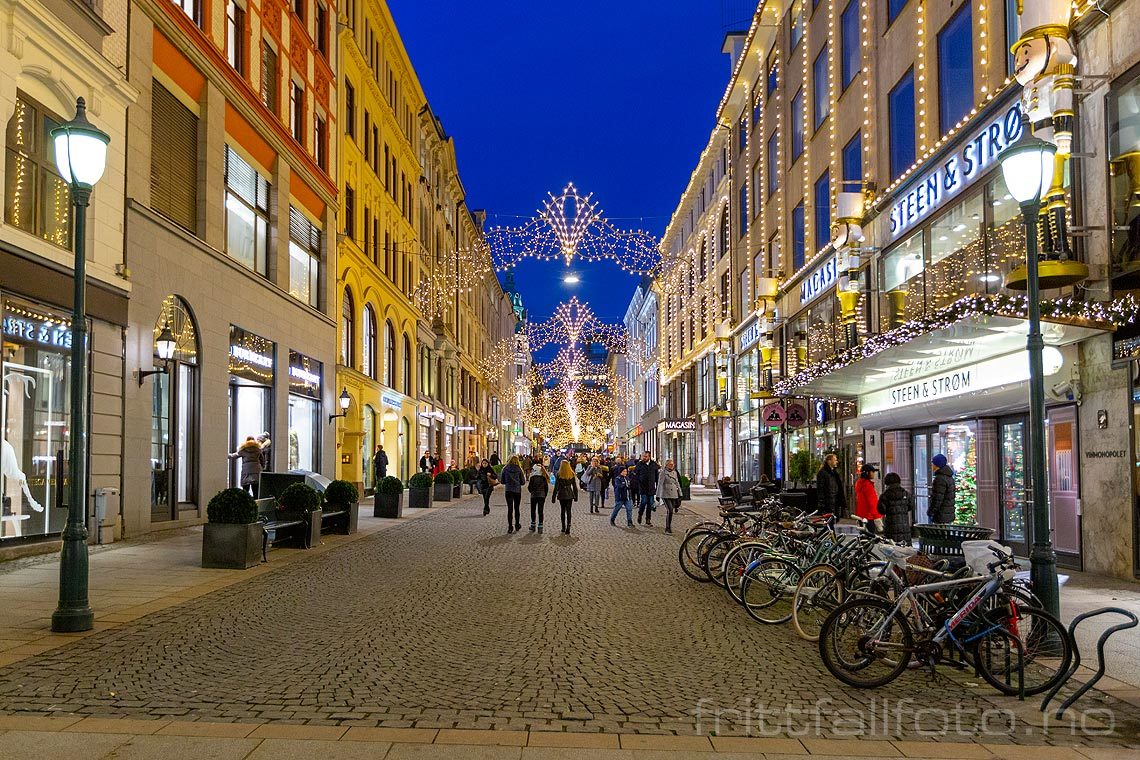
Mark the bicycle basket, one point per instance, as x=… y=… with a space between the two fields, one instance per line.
x=915 y=577
x=898 y=554
x=981 y=554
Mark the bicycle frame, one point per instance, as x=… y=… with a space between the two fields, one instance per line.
x=988 y=588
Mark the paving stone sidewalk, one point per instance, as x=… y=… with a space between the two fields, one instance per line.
x=446 y=622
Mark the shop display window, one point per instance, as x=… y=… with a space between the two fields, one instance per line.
x=34 y=420
x=304 y=414
x=1124 y=158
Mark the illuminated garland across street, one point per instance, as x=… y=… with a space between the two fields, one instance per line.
x=571 y=226
x=1116 y=313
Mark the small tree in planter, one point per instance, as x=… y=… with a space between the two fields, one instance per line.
x=232 y=537
x=342 y=495
x=389 y=499
x=301 y=500
x=419 y=491
x=685 y=483
x=443 y=486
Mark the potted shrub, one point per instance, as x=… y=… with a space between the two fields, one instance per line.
x=456 y=483
x=301 y=500
x=442 y=486
x=685 y=483
x=389 y=499
x=419 y=491
x=232 y=537
x=342 y=495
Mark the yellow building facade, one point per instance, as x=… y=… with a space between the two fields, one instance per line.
x=377 y=263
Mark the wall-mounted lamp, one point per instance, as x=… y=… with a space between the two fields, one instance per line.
x=343 y=401
x=164 y=346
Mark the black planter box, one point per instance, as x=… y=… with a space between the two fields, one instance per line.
x=442 y=492
x=231 y=547
x=353 y=517
x=390 y=504
x=419 y=498
x=313 y=534
x=456 y=490
x=686 y=494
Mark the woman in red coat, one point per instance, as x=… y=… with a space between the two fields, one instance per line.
x=866 y=498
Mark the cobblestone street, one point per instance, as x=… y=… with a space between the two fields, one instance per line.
x=448 y=622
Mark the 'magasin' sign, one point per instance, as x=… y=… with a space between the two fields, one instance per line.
x=962 y=167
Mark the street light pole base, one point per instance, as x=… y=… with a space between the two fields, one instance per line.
x=72 y=620
x=1043 y=576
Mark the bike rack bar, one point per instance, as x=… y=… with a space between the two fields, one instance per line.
x=1104 y=637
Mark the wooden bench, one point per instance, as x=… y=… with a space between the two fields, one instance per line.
x=276 y=527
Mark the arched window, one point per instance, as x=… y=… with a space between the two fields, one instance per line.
x=407 y=386
x=368 y=349
x=389 y=355
x=175 y=417
x=347 y=330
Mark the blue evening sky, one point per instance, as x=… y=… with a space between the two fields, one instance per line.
x=617 y=96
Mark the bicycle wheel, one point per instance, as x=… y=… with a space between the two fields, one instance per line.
x=820 y=591
x=689 y=559
x=767 y=590
x=713 y=560
x=851 y=654
x=1029 y=640
x=737 y=559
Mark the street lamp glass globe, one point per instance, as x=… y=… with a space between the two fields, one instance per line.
x=1028 y=169
x=344 y=400
x=165 y=344
x=80 y=149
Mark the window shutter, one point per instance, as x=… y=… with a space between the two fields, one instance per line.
x=173 y=160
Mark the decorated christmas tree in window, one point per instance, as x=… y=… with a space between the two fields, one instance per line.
x=966 y=491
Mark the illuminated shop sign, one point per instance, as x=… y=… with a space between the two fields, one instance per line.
x=251 y=356
x=42 y=331
x=391 y=399
x=819 y=281
x=968 y=378
x=748 y=336
x=956 y=172
x=679 y=426
x=304 y=375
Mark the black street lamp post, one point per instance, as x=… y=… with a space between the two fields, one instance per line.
x=1028 y=170
x=81 y=157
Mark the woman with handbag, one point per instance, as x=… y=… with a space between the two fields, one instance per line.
x=487 y=482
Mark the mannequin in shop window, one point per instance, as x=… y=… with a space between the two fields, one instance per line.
x=15 y=483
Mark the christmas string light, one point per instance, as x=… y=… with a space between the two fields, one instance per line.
x=571 y=226
x=1110 y=314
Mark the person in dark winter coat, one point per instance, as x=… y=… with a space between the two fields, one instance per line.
x=494 y=460
x=379 y=463
x=565 y=492
x=646 y=474
x=941 y=507
x=513 y=479
x=537 y=485
x=487 y=479
x=896 y=505
x=830 y=494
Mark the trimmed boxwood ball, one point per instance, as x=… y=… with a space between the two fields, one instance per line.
x=341 y=492
x=420 y=480
x=299 y=497
x=232 y=506
x=391 y=485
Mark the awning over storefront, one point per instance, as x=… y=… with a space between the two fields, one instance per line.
x=969 y=342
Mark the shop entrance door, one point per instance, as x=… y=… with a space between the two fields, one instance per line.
x=174 y=443
x=249 y=416
x=1014 y=501
x=1064 y=486
x=922 y=447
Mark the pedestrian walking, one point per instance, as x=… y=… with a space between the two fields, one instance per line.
x=379 y=464
x=565 y=492
x=252 y=464
x=941 y=509
x=494 y=460
x=592 y=479
x=867 y=499
x=830 y=494
x=607 y=475
x=487 y=481
x=512 y=478
x=426 y=463
x=438 y=465
x=896 y=505
x=646 y=475
x=621 y=498
x=669 y=491
x=537 y=486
